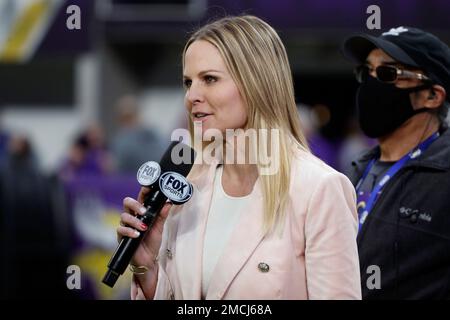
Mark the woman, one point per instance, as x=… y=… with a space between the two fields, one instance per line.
x=247 y=235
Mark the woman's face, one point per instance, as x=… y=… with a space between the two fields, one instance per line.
x=212 y=96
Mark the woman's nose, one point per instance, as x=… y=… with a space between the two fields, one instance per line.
x=194 y=93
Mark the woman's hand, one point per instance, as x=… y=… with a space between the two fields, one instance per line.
x=130 y=226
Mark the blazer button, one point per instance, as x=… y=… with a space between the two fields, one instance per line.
x=263 y=267
x=171 y=296
x=169 y=253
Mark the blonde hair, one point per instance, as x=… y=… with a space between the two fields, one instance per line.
x=258 y=63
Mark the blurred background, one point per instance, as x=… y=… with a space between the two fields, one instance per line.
x=81 y=107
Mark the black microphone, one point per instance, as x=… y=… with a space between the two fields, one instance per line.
x=167 y=180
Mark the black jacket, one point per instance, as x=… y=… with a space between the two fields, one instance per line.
x=407 y=233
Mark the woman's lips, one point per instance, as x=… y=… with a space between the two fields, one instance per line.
x=202 y=118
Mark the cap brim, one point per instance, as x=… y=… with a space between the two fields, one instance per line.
x=358 y=47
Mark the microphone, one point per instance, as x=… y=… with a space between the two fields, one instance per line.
x=167 y=181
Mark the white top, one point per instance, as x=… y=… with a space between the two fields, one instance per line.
x=223 y=216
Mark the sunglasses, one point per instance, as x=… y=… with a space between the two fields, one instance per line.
x=388 y=74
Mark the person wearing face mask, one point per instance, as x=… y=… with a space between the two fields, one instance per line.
x=403 y=184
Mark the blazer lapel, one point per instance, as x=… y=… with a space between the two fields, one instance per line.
x=191 y=231
x=242 y=243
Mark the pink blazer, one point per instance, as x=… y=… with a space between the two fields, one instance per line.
x=315 y=257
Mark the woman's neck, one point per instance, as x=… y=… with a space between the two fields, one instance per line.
x=238 y=180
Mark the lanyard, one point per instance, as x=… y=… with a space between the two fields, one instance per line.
x=414 y=153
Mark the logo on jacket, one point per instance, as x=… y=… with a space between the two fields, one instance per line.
x=175 y=187
x=414 y=214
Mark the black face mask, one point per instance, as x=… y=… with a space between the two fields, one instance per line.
x=382 y=107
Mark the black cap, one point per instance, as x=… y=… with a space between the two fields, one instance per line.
x=409 y=46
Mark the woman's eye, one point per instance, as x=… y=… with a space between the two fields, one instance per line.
x=187 y=83
x=210 y=79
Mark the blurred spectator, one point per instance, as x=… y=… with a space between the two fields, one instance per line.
x=133 y=144
x=88 y=155
x=313 y=119
x=353 y=145
x=33 y=259
x=3 y=145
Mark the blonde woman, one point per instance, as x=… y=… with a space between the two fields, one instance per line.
x=290 y=234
